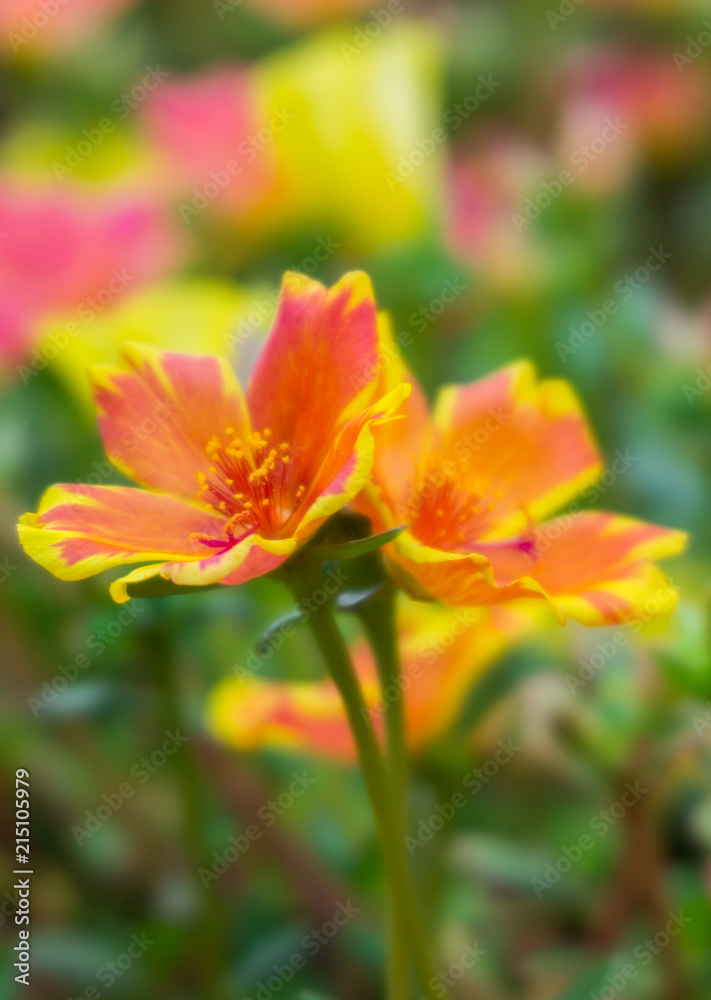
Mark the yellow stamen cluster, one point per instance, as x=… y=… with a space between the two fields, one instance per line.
x=248 y=481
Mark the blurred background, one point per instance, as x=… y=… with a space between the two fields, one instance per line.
x=519 y=179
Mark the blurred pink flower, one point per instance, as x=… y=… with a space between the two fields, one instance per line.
x=39 y=25
x=662 y=110
x=68 y=251
x=485 y=190
x=202 y=124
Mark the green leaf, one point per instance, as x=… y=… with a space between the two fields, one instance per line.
x=352 y=550
x=353 y=600
x=264 y=644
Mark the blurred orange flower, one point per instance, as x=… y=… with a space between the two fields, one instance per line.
x=474 y=483
x=236 y=485
x=443 y=652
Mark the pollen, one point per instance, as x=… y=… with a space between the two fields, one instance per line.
x=250 y=482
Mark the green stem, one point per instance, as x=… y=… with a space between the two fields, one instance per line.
x=379 y=623
x=335 y=654
x=206 y=934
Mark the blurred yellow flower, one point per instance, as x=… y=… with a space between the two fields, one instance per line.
x=329 y=133
x=189 y=315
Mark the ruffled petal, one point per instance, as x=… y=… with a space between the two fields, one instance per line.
x=79 y=530
x=248 y=559
x=158 y=413
x=461 y=580
x=593 y=567
x=316 y=364
x=598 y=567
x=529 y=441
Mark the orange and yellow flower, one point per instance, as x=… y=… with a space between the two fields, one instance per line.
x=443 y=650
x=476 y=483
x=234 y=485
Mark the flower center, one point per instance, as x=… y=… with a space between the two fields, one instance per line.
x=248 y=482
x=448 y=508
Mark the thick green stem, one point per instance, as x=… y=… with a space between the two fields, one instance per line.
x=378 y=618
x=335 y=654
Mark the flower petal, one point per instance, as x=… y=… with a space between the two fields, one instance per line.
x=347 y=465
x=529 y=440
x=249 y=713
x=319 y=359
x=444 y=650
x=242 y=562
x=159 y=413
x=398 y=443
x=593 y=567
x=82 y=530
x=598 y=567
x=460 y=580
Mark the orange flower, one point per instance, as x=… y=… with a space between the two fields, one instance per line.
x=237 y=485
x=474 y=483
x=443 y=650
